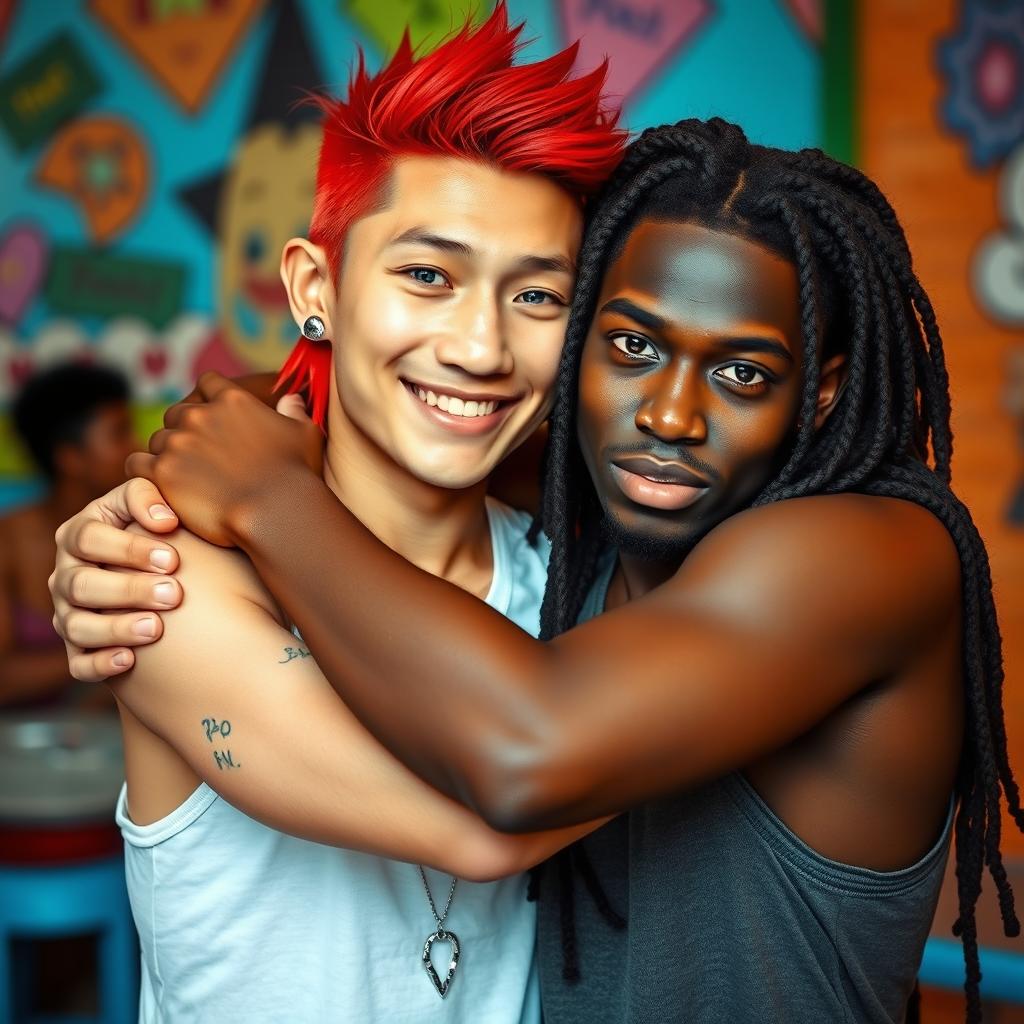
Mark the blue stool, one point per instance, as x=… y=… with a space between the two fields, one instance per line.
x=74 y=899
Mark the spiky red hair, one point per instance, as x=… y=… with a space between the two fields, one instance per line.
x=466 y=99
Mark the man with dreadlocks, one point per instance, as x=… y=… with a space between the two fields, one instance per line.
x=769 y=624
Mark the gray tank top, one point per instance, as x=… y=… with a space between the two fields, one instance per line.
x=731 y=918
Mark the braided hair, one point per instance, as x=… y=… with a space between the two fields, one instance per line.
x=889 y=434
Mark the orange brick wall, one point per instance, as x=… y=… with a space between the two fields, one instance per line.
x=948 y=208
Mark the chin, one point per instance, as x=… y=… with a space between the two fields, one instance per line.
x=671 y=543
x=450 y=477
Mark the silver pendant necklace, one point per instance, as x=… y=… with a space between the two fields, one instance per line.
x=441 y=934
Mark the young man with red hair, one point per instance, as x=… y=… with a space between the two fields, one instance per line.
x=437 y=275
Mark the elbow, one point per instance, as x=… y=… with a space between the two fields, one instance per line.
x=522 y=794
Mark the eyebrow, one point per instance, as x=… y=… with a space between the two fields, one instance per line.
x=557 y=264
x=749 y=344
x=526 y=264
x=653 y=322
x=642 y=316
x=418 y=236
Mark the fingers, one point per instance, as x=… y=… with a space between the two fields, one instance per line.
x=294 y=407
x=172 y=417
x=93 y=541
x=142 y=501
x=92 y=632
x=211 y=384
x=86 y=586
x=140 y=464
x=158 y=442
x=97 y=666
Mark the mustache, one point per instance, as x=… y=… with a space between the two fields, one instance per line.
x=665 y=453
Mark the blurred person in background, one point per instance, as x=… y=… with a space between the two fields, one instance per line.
x=75 y=423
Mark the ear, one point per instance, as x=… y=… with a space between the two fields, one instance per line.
x=307 y=280
x=832 y=380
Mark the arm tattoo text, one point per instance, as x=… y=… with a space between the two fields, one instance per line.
x=291 y=653
x=222 y=728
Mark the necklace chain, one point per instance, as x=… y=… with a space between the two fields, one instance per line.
x=439 y=918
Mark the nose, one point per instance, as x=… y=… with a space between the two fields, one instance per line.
x=475 y=340
x=672 y=410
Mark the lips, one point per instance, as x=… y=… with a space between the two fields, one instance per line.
x=659 y=472
x=665 y=486
x=459 y=412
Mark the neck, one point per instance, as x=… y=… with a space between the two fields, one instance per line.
x=635 y=577
x=444 y=532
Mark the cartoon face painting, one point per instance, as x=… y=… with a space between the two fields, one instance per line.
x=267 y=199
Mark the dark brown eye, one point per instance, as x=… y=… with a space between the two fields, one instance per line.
x=743 y=374
x=634 y=346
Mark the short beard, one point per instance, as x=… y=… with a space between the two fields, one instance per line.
x=648 y=547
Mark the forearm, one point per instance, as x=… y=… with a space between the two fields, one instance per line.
x=26 y=675
x=466 y=715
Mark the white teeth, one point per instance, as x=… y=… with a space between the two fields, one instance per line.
x=455 y=406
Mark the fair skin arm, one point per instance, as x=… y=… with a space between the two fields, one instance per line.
x=300 y=761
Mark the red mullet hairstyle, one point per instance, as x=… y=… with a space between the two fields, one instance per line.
x=463 y=99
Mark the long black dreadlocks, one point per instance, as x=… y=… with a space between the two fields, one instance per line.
x=889 y=434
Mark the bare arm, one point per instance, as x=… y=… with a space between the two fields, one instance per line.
x=236 y=695
x=769 y=626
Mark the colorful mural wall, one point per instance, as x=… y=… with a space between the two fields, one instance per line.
x=942 y=130
x=153 y=158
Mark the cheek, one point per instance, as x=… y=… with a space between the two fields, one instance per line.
x=379 y=328
x=607 y=401
x=755 y=438
x=537 y=355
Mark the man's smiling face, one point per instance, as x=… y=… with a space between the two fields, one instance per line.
x=451 y=310
x=689 y=382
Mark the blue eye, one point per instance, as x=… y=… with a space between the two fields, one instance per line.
x=427 y=276
x=536 y=297
x=254 y=247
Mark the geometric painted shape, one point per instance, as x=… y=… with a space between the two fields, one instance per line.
x=51 y=85
x=983 y=66
x=637 y=36
x=810 y=16
x=428 y=21
x=997 y=270
x=183 y=44
x=100 y=163
x=86 y=282
x=6 y=10
x=23 y=252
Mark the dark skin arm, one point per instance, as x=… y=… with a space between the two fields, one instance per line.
x=769 y=628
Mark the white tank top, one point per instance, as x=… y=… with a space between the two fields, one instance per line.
x=240 y=922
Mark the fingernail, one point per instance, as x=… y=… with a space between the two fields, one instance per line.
x=122 y=659
x=160 y=558
x=144 y=627
x=164 y=593
x=160 y=512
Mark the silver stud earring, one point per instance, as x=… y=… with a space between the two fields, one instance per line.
x=313 y=328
